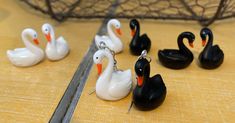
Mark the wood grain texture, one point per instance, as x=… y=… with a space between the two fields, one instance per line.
x=194 y=94
x=32 y=94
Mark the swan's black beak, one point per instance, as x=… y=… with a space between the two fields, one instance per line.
x=203 y=43
x=36 y=41
x=132 y=32
x=99 y=68
x=140 y=80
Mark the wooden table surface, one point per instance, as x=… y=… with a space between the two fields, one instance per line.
x=194 y=95
x=32 y=94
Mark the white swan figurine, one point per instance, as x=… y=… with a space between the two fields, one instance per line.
x=112 y=41
x=111 y=84
x=56 y=49
x=28 y=56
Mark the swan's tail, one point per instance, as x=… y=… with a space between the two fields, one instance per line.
x=98 y=39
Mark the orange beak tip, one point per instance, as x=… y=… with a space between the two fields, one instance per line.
x=36 y=41
x=140 y=80
x=132 y=33
x=119 y=31
x=99 y=68
x=48 y=37
x=191 y=45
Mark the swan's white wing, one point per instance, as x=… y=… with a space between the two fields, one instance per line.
x=19 y=49
x=21 y=57
x=61 y=40
x=103 y=38
x=121 y=84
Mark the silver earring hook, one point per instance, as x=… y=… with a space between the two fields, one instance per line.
x=104 y=46
x=144 y=54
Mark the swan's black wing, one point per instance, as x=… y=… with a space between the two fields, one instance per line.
x=217 y=53
x=145 y=41
x=172 y=54
x=157 y=81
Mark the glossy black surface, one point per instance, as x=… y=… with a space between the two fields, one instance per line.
x=178 y=59
x=212 y=56
x=138 y=43
x=152 y=92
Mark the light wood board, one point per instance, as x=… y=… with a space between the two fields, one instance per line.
x=32 y=94
x=194 y=94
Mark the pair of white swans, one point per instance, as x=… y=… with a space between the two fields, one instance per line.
x=112 y=84
x=31 y=54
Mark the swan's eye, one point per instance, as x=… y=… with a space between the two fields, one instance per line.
x=140 y=70
x=96 y=57
x=35 y=35
x=46 y=30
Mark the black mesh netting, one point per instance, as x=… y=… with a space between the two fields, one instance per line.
x=203 y=11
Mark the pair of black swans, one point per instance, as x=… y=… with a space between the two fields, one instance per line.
x=150 y=92
x=211 y=57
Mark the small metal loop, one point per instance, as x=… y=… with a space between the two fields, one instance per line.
x=144 y=55
x=102 y=45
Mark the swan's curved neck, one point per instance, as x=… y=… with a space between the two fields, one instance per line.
x=181 y=45
x=34 y=49
x=112 y=35
x=146 y=71
x=210 y=39
x=52 y=34
x=107 y=74
x=137 y=31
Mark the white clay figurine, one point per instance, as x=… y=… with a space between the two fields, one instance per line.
x=112 y=84
x=111 y=41
x=56 y=49
x=28 y=56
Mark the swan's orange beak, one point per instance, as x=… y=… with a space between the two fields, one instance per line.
x=191 y=45
x=119 y=31
x=140 y=80
x=48 y=37
x=36 y=41
x=99 y=68
x=203 y=43
x=132 y=32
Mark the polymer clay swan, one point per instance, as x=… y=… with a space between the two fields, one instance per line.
x=112 y=84
x=56 y=49
x=28 y=56
x=111 y=41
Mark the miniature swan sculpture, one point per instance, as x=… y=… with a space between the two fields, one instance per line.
x=111 y=84
x=212 y=56
x=28 y=56
x=150 y=92
x=56 y=49
x=178 y=59
x=112 y=41
x=138 y=43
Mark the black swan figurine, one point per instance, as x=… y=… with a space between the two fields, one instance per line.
x=138 y=43
x=149 y=93
x=178 y=59
x=212 y=56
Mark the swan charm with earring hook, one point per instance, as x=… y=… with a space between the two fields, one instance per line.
x=28 y=56
x=150 y=92
x=112 y=84
x=56 y=49
x=112 y=41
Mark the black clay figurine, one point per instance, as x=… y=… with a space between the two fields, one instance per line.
x=178 y=59
x=212 y=56
x=138 y=43
x=149 y=93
